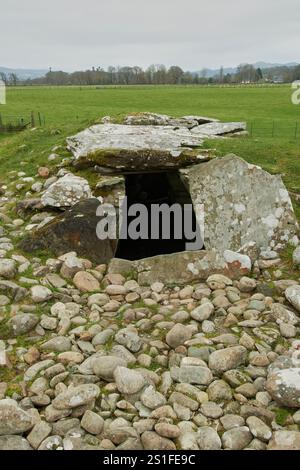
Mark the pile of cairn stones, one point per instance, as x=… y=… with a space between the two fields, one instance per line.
x=92 y=358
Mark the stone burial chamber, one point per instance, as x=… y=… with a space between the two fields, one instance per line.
x=157 y=159
x=162 y=189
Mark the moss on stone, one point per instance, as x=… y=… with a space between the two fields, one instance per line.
x=281 y=415
x=118 y=158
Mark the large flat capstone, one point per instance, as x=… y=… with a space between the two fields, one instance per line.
x=135 y=147
x=147 y=141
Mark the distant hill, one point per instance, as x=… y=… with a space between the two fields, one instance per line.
x=232 y=70
x=266 y=65
x=24 y=74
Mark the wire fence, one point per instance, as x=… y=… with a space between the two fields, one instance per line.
x=256 y=128
x=274 y=129
x=14 y=123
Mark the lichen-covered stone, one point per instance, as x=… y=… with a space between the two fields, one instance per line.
x=244 y=206
x=13 y=420
x=227 y=359
x=213 y=129
x=75 y=230
x=76 y=396
x=66 y=191
x=292 y=294
x=124 y=147
x=180 y=268
x=284 y=387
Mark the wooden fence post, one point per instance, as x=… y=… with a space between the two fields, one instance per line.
x=32 y=119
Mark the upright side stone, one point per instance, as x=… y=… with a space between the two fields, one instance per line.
x=246 y=208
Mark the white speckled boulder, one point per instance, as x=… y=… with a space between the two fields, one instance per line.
x=246 y=208
x=66 y=192
x=284 y=387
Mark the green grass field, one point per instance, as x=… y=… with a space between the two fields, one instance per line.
x=269 y=111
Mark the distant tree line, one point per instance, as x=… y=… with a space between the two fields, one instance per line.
x=159 y=75
x=9 y=79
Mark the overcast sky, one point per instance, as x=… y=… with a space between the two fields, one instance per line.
x=73 y=35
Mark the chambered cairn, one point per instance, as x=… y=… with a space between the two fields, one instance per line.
x=157 y=344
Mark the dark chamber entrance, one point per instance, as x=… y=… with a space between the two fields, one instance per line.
x=148 y=189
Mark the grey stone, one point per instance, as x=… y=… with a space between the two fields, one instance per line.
x=178 y=335
x=168 y=430
x=135 y=148
x=64 y=426
x=236 y=438
x=247 y=284
x=287 y=331
x=231 y=421
x=4 y=300
x=48 y=323
x=259 y=411
x=14 y=443
x=228 y=358
x=259 y=429
x=192 y=374
x=203 y=312
x=40 y=294
x=281 y=314
x=86 y=367
x=184 y=267
x=66 y=191
x=13 y=290
x=105 y=366
x=22 y=323
x=285 y=440
x=219 y=128
x=130 y=339
x=152 y=399
x=296 y=256
x=55 y=280
x=119 y=351
x=188 y=441
x=74 y=230
x=52 y=414
x=39 y=386
x=128 y=381
x=296 y=417
x=71 y=265
x=152 y=441
x=284 y=387
x=103 y=337
x=211 y=410
x=92 y=422
x=52 y=443
x=35 y=369
x=76 y=396
x=98 y=299
x=13 y=420
x=219 y=391
x=7 y=268
x=156 y=119
x=40 y=432
x=57 y=344
x=235 y=220
x=208 y=439
x=293 y=296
